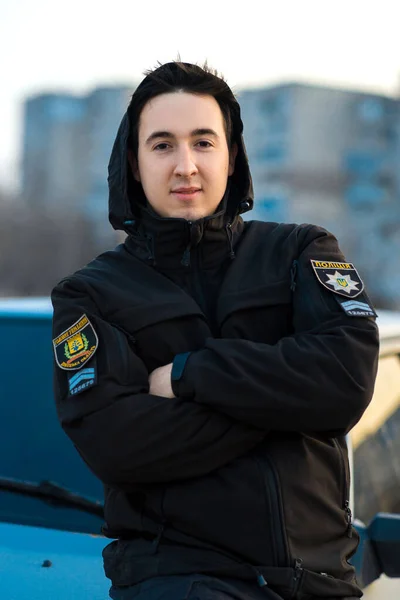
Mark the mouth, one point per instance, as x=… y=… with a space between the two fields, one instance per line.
x=186 y=193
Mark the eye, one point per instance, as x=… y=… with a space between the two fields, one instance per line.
x=161 y=147
x=204 y=144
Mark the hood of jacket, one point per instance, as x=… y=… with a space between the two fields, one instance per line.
x=126 y=196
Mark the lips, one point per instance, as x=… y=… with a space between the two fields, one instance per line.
x=186 y=194
x=182 y=190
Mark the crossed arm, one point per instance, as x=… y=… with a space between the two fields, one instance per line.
x=320 y=379
x=132 y=427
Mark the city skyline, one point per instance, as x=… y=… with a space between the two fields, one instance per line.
x=86 y=47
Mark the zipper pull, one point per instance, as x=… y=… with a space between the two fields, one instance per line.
x=261 y=580
x=157 y=540
x=230 y=238
x=185 y=262
x=298 y=571
x=349 y=519
x=293 y=273
x=298 y=567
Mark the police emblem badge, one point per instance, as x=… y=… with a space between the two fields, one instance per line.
x=76 y=345
x=340 y=278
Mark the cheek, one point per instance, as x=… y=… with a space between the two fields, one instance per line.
x=218 y=173
x=150 y=173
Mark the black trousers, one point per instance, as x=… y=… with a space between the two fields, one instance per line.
x=193 y=587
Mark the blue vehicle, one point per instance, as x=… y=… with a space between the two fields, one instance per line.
x=51 y=504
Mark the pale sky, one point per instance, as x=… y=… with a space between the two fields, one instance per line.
x=48 y=45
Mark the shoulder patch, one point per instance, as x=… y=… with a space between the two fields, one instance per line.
x=76 y=345
x=338 y=277
x=84 y=379
x=356 y=308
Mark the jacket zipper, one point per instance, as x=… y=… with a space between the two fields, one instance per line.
x=298 y=574
x=345 y=493
x=293 y=274
x=131 y=342
x=185 y=262
x=272 y=489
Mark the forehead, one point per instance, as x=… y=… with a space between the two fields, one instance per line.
x=180 y=113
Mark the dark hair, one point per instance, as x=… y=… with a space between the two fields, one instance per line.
x=182 y=77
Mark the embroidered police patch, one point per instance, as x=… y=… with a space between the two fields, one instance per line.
x=81 y=381
x=340 y=278
x=355 y=308
x=76 y=345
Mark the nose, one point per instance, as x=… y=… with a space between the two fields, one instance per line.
x=185 y=164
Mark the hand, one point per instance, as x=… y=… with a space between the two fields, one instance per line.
x=160 y=382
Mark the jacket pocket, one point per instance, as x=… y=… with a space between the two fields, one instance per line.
x=123 y=512
x=315 y=585
x=214 y=512
x=273 y=496
x=125 y=561
x=120 y=345
x=260 y=314
x=344 y=487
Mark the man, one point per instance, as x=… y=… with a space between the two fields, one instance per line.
x=208 y=370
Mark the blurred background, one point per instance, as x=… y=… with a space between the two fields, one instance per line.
x=319 y=86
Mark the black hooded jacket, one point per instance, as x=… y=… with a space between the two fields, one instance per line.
x=245 y=472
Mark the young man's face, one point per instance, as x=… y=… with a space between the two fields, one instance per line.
x=183 y=156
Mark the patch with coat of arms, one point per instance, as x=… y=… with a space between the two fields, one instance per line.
x=338 y=277
x=76 y=345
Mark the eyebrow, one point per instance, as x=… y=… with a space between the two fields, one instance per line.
x=167 y=134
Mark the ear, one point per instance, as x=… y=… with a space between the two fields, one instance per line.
x=232 y=157
x=134 y=165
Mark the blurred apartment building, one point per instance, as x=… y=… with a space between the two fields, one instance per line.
x=332 y=157
x=67 y=143
x=321 y=155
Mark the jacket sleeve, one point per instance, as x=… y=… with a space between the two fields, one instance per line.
x=320 y=378
x=124 y=434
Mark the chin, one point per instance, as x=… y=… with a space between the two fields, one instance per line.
x=192 y=214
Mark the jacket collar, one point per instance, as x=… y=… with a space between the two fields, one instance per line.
x=172 y=243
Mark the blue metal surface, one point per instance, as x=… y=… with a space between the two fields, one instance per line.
x=384 y=532
x=379 y=548
x=365 y=560
x=76 y=571
x=385 y=528
x=23 y=308
x=33 y=446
